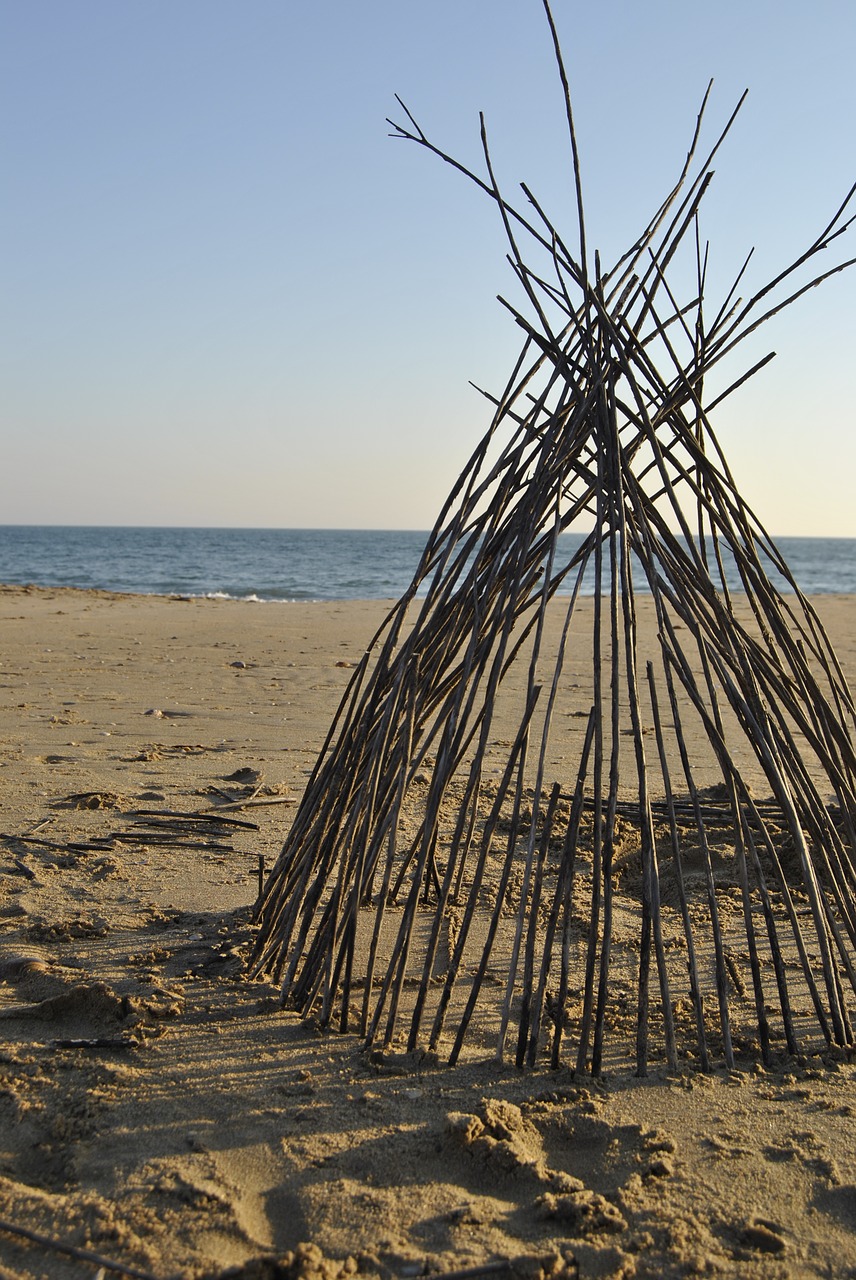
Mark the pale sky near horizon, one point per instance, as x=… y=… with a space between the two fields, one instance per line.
x=230 y=299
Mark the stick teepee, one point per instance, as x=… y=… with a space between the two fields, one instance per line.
x=670 y=873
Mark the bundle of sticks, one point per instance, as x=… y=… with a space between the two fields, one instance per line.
x=425 y=898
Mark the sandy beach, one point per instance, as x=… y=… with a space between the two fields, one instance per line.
x=161 y=1111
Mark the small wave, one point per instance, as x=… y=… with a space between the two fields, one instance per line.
x=252 y=598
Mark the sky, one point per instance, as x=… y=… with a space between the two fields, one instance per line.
x=229 y=298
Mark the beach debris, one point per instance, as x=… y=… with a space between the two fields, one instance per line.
x=307 y=1262
x=246 y=775
x=110 y=1044
x=157 y=750
x=74 y=846
x=193 y=819
x=435 y=889
x=55 y=1245
x=257 y=801
x=256 y=792
x=165 y=829
x=91 y=800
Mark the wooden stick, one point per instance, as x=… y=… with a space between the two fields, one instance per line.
x=74 y=1251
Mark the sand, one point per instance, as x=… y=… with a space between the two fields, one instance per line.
x=158 y=1109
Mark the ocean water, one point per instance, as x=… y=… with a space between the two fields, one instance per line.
x=290 y=564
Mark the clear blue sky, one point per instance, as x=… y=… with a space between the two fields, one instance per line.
x=228 y=298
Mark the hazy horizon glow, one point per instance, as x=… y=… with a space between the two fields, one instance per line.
x=230 y=300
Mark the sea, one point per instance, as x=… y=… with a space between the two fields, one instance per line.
x=292 y=564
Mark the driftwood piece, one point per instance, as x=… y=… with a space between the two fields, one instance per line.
x=252 y=802
x=74 y=1251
